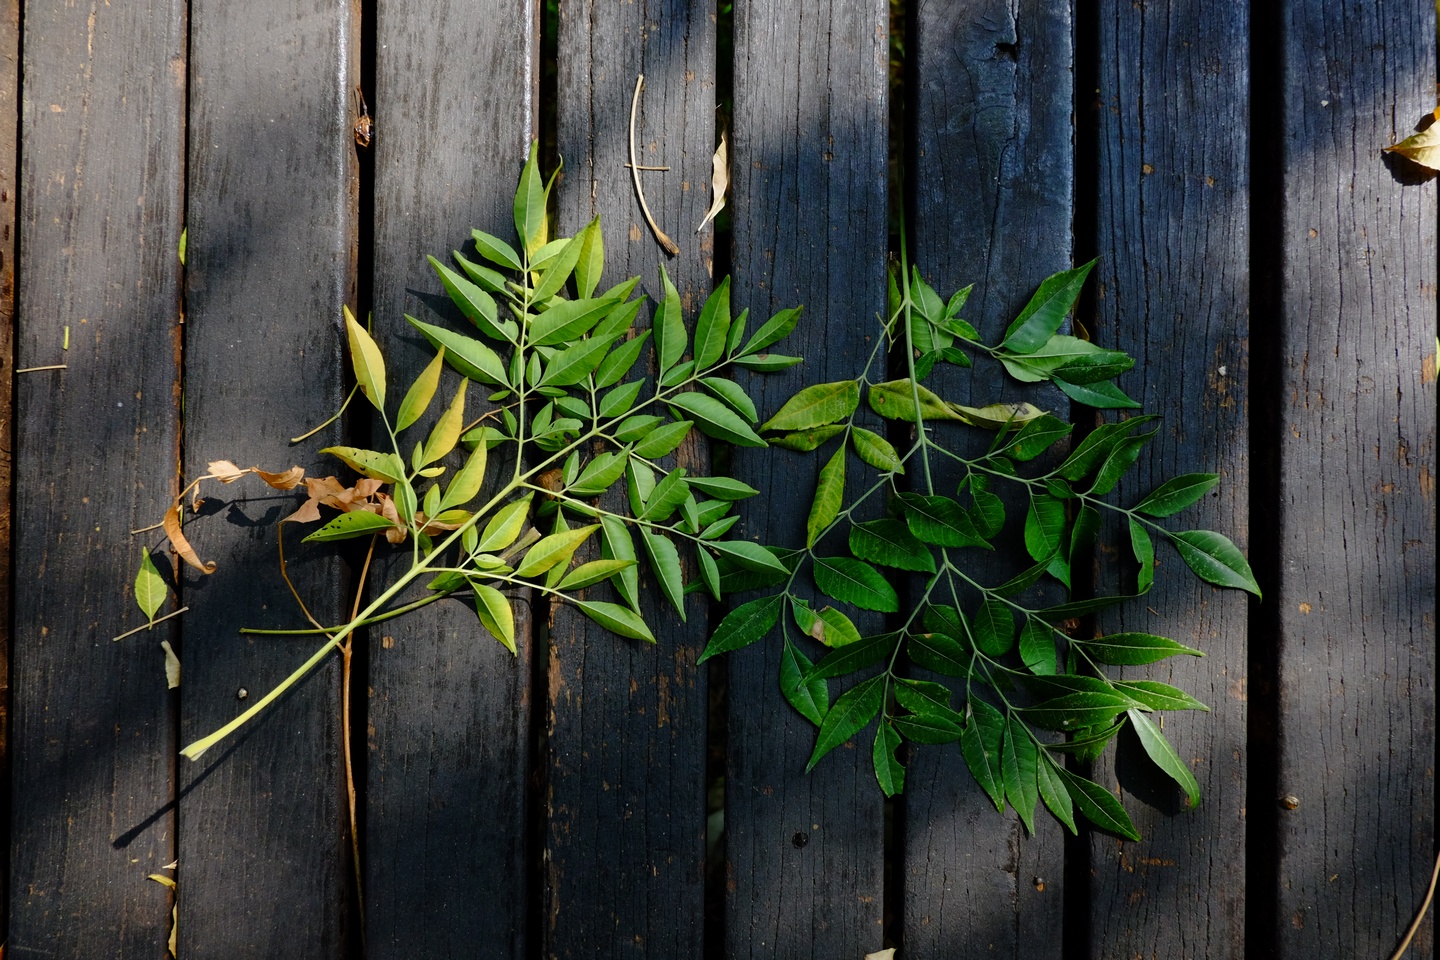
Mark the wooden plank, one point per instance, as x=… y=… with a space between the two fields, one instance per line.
x=450 y=709
x=1172 y=290
x=9 y=159
x=1356 y=596
x=993 y=107
x=103 y=128
x=270 y=261
x=804 y=852
x=626 y=788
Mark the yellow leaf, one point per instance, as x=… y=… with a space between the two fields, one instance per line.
x=1422 y=148
x=719 y=180
x=887 y=954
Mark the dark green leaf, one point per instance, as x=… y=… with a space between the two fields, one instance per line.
x=855 y=708
x=994 y=627
x=1144 y=555
x=767 y=362
x=717 y=420
x=888 y=771
x=1053 y=792
x=1098 y=805
x=856 y=656
x=940 y=521
x=1036 y=436
x=1097 y=446
x=1172 y=496
x=723 y=488
x=1159 y=696
x=853 y=581
x=1120 y=459
x=615 y=366
x=811 y=698
x=926 y=698
x=1037 y=647
x=939 y=652
x=875 y=450
x=1044 y=526
x=1215 y=559
x=989 y=512
x=751 y=556
x=890 y=544
x=1018 y=761
x=668 y=325
x=567 y=320
x=816 y=405
x=665 y=563
x=981 y=743
x=617 y=402
x=1087 y=745
x=1130 y=649
x=1163 y=754
x=663 y=440
x=709 y=572
x=1075 y=710
x=1102 y=396
x=806 y=440
x=617 y=544
x=927 y=728
x=1046 y=310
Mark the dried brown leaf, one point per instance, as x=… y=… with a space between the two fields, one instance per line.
x=181 y=545
x=224 y=471
x=1422 y=148
x=719 y=180
x=286 y=480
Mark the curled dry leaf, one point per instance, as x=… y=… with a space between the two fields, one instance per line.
x=225 y=471
x=1422 y=148
x=286 y=480
x=719 y=181
x=181 y=545
x=172 y=666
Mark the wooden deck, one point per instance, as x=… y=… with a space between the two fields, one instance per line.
x=1272 y=272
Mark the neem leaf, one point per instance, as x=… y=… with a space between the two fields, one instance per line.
x=774 y=330
x=723 y=488
x=1131 y=649
x=591 y=260
x=1044 y=526
x=663 y=440
x=567 y=320
x=890 y=544
x=558 y=270
x=803 y=441
x=589 y=574
x=668 y=325
x=744 y=625
x=1046 y=310
x=940 y=521
x=1037 y=647
x=493 y=608
x=1075 y=711
x=994 y=627
x=997 y=415
x=939 y=652
x=1174 y=495
x=617 y=544
x=366 y=359
x=856 y=708
x=895 y=400
x=733 y=394
x=418 y=397
x=665 y=562
x=356 y=523
x=1102 y=396
x=1215 y=559
x=150 y=589
x=856 y=656
x=981 y=743
x=712 y=328
x=504 y=528
x=1018 y=761
x=888 y=771
x=1098 y=805
x=829 y=494
x=370 y=463
x=618 y=363
x=574 y=363
x=477 y=305
x=767 y=362
x=552 y=550
x=810 y=696
x=854 y=581
x=530 y=203
x=1053 y=792
x=466 y=354
x=1163 y=754
x=466 y=484
x=751 y=556
x=1158 y=696
x=875 y=450
x=615 y=618
x=446 y=432
x=815 y=405
x=715 y=419
x=1144 y=555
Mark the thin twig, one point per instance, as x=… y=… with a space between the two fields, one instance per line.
x=633 y=166
x=61 y=366
x=665 y=241
x=131 y=633
x=1424 y=908
x=345 y=650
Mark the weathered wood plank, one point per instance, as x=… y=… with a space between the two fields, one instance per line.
x=103 y=128
x=1356 y=596
x=993 y=193
x=804 y=852
x=450 y=708
x=626 y=767
x=270 y=261
x=9 y=158
x=1173 y=291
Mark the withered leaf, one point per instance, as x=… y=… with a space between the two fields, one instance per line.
x=1422 y=148
x=719 y=181
x=172 y=666
x=181 y=545
x=225 y=471
x=286 y=480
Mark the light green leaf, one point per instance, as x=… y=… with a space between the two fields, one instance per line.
x=744 y=625
x=713 y=326
x=669 y=326
x=816 y=405
x=466 y=484
x=599 y=474
x=467 y=355
x=150 y=589
x=666 y=497
x=665 y=562
x=751 y=556
x=493 y=608
x=717 y=420
x=592 y=258
x=895 y=400
x=618 y=363
x=417 y=398
x=1215 y=559
x=356 y=523
x=1046 y=311
x=1163 y=754
x=589 y=574
x=530 y=221
x=854 y=581
x=366 y=359
x=723 y=488
x=996 y=415
x=663 y=440
x=875 y=450
x=504 y=528
x=370 y=463
x=856 y=708
x=1158 y=696
x=615 y=618
x=557 y=271
x=733 y=394
x=774 y=330
x=555 y=549
x=567 y=320
x=829 y=494
x=767 y=362
x=574 y=363
x=496 y=250
x=446 y=432
x=477 y=305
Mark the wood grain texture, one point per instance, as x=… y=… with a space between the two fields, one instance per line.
x=270 y=261
x=1173 y=291
x=627 y=721
x=993 y=191
x=9 y=178
x=450 y=709
x=1357 y=582
x=804 y=852
x=103 y=127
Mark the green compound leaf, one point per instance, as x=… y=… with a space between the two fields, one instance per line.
x=890 y=544
x=981 y=743
x=1133 y=649
x=854 y=581
x=855 y=708
x=365 y=357
x=1163 y=754
x=816 y=406
x=530 y=203
x=875 y=450
x=1215 y=559
x=1018 y=760
x=1046 y=311
x=665 y=563
x=615 y=618
x=567 y=321
x=1098 y=805
x=744 y=625
x=829 y=494
x=496 y=616
x=669 y=326
x=150 y=589
x=555 y=549
x=347 y=526
x=712 y=329
x=421 y=392
x=888 y=771
x=716 y=419
x=810 y=697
